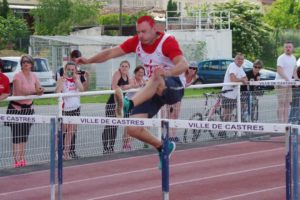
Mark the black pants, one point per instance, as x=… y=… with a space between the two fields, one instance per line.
x=72 y=148
x=110 y=132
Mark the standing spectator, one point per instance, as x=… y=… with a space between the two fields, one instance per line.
x=286 y=70
x=24 y=83
x=164 y=64
x=234 y=73
x=85 y=79
x=119 y=79
x=70 y=83
x=294 y=116
x=173 y=111
x=137 y=81
x=4 y=83
x=252 y=75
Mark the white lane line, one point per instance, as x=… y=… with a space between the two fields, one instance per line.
x=139 y=171
x=251 y=193
x=122 y=159
x=185 y=182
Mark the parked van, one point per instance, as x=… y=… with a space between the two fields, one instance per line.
x=41 y=69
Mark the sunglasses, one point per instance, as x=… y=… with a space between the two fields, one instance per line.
x=193 y=68
x=257 y=67
x=26 y=61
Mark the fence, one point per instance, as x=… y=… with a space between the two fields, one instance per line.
x=89 y=139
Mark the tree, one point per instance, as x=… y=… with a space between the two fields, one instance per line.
x=4 y=9
x=249 y=32
x=172 y=9
x=284 y=14
x=54 y=17
x=11 y=30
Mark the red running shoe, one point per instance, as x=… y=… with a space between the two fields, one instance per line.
x=17 y=164
x=23 y=163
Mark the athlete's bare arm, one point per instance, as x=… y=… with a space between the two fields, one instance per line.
x=181 y=65
x=102 y=56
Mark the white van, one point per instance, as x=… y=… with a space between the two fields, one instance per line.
x=44 y=74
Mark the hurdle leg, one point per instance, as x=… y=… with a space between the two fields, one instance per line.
x=295 y=163
x=288 y=163
x=60 y=158
x=52 y=158
x=165 y=160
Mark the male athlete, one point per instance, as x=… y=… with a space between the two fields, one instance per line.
x=164 y=65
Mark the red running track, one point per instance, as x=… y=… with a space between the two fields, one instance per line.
x=237 y=171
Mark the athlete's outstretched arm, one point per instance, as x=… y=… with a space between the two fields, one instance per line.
x=102 y=56
x=181 y=65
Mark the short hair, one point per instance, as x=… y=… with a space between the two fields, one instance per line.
x=258 y=62
x=1 y=64
x=239 y=54
x=70 y=63
x=138 y=69
x=146 y=18
x=75 y=54
x=28 y=57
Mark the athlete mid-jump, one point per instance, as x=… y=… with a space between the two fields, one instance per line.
x=164 y=65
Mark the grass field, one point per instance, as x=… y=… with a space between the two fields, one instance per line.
x=104 y=98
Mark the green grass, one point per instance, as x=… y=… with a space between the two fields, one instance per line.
x=104 y=98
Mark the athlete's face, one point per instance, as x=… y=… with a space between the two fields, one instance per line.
x=146 y=33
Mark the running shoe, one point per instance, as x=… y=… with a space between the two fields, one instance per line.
x=172 y=147
x=122 y=103
x=22 y=163
x=118 y=97
x=17 y=164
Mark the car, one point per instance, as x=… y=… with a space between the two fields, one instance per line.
x=213 y=71
x=41 y=69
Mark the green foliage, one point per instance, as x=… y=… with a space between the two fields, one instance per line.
x=249 y=32
x=284 y=14
x=4 y=9
x=11 y=30
x=56 y=17
x=172 y=9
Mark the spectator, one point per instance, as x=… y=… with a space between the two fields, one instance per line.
x=252 y=75
x=24 y=83
x=173 y=111
x=137 y=81
x=4 y=83
x=70 y=83
x=119 y=79
x=294 y=116
x=85 y=79
x=286 y=69
x=234 y=73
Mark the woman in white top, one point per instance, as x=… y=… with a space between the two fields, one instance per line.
x=70 y=83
